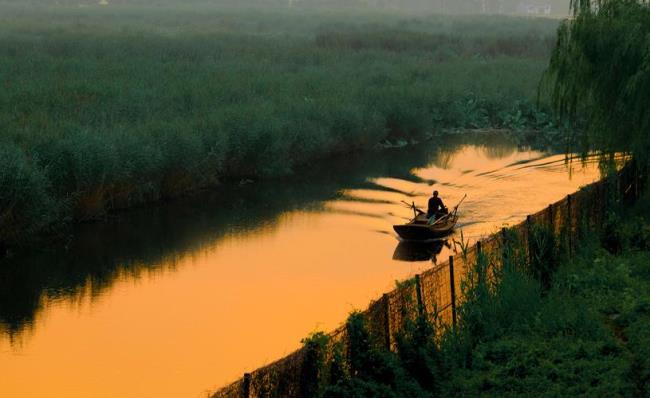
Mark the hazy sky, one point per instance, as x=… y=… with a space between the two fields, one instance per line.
x=452 y=6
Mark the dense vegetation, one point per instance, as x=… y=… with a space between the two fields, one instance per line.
x=570 y=325
x=599 y=75
x=108 y=107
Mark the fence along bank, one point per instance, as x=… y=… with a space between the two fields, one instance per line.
x=437 y=291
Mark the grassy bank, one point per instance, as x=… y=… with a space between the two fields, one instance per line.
x=558 y=325
x=109 y=107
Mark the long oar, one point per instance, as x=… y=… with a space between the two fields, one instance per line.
x=414 y=207
x=458 y=205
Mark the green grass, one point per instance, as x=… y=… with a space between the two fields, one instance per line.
x=110 y=107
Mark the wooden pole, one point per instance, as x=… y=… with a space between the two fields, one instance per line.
x=483 y=270
x=636 y=182
x=418 y=288
x=453 y=290
x=619 y=184
x=246 y=390
x=387 y=323
x=570 y=228
x=528 y=231
x=504 y=246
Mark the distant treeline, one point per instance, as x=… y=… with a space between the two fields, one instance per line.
x=103 y=109
x=557 y=7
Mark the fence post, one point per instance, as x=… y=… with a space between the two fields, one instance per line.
x=479 y=254
x=453 y=290
x=605 y=204
x=528 y=232
x=636 y=182
x=504 y=246
x=550 y=217
x=418 y=291
x=246 y=390
x=617 y=188
x=570 y=229
x=387 y=323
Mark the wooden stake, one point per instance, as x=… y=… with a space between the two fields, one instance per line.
x=453 y=290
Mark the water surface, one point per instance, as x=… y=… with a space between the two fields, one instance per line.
x=179 y=299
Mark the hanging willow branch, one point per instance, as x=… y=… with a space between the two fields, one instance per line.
x=598 y=77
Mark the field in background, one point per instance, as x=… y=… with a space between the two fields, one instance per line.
x=109 y=107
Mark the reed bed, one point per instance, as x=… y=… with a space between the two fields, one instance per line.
x=110 y=107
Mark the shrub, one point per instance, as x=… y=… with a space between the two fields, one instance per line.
x=544 y=254
x=419 y=354
x=312 y=369
x=372 y=372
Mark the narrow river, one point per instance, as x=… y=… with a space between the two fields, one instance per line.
x=179 y=299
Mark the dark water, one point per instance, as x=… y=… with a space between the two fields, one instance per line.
x=177 y=299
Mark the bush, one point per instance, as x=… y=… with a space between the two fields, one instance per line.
x=419 y=354
x=544 y=254
x=312 y=369
x=370 y=372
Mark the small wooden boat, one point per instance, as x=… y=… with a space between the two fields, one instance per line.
x=419 y=228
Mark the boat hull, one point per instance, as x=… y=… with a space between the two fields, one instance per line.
x=419 y=231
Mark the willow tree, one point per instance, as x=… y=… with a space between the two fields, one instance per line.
x=599 y=76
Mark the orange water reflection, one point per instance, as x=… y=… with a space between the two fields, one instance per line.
x=200 y=318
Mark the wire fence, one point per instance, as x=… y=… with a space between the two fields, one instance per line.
x=437 y=292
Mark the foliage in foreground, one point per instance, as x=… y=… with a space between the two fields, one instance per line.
x=581 y=330
x=213 y=94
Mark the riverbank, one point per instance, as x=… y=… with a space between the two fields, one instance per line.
x=230 y=94
x=316 y=172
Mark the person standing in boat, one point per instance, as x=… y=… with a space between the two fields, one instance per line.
x=436 y=207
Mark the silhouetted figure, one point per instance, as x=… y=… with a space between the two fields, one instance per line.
x=436 y=207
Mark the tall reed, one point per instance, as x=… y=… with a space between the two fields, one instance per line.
x=112 y=107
